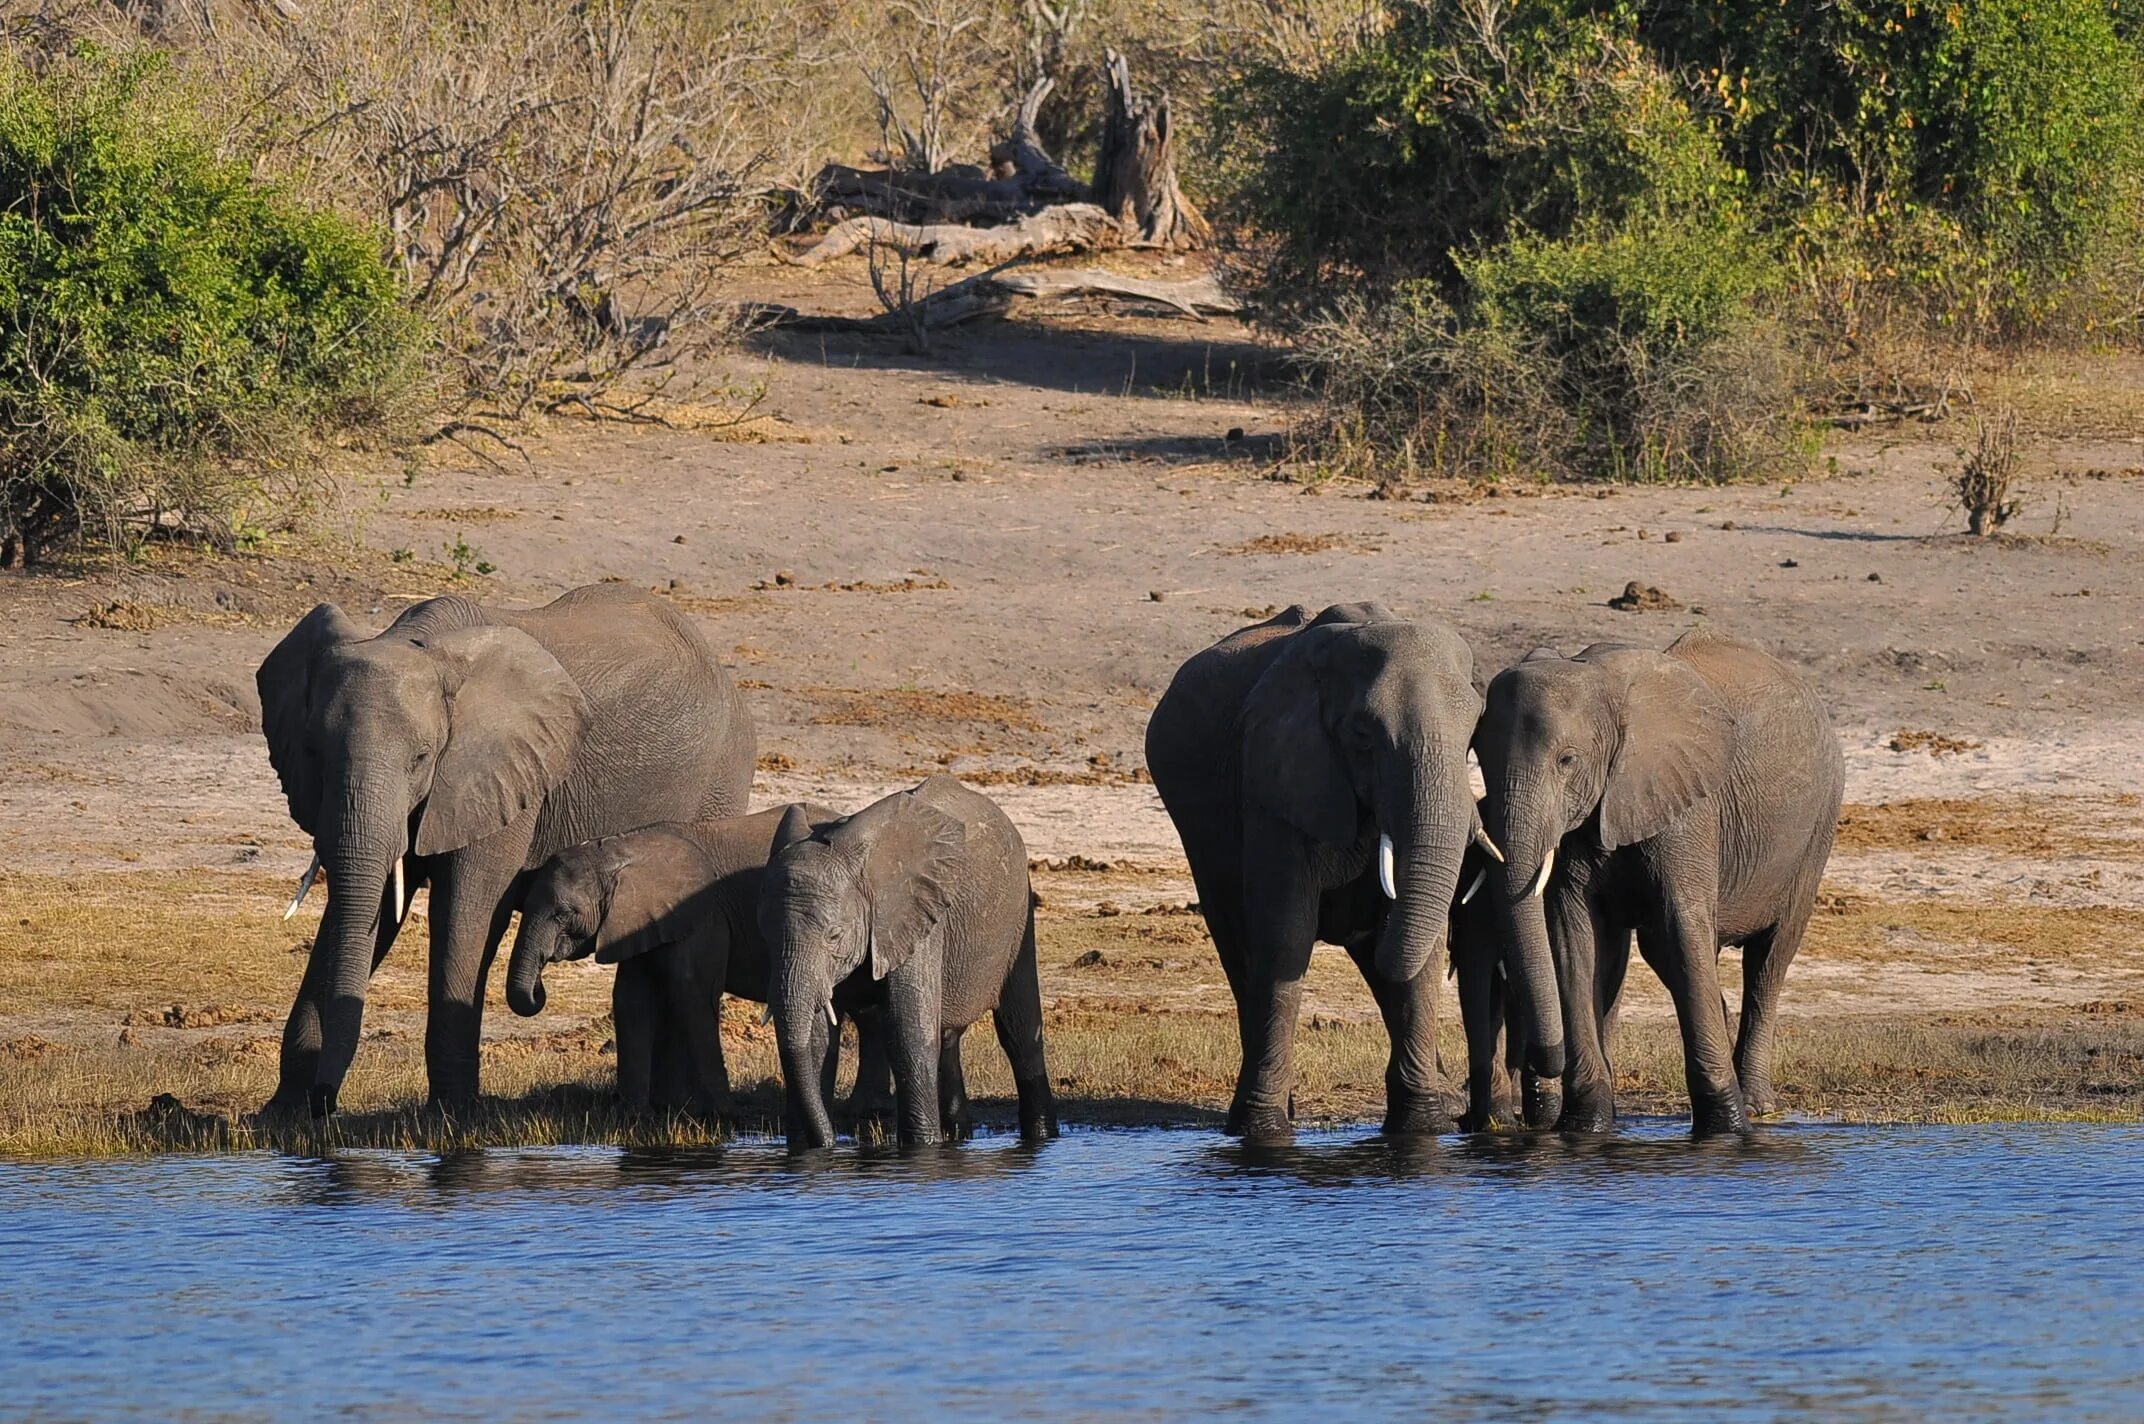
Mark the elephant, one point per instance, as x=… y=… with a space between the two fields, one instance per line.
x=676 y=908
x=1315 y=768
x=917 y=907
x=1687 y=796
x=463 y=746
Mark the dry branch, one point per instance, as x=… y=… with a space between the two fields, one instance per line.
x=997 y=292
x=1135 y=176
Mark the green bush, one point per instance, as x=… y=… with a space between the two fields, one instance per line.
x=1549 y=261
x=171 y=329
x=1976 y=159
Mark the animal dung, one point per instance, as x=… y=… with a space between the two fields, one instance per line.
x=1643 y=598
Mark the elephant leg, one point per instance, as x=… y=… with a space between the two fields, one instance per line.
x=635 y=1014
x=871 y=1098
x=301 y=1031
x=1482 y=1013
x=671 y=1087
x=912 y=1046
x=1414 y=1089
x=955 y=1118
x=473 y=901
x=1582 y=933
x=694 y=1023
x=1221 y=902
x=1684 y=951
x=1281 y=904
x=1018 y=1020
x=1765 y=960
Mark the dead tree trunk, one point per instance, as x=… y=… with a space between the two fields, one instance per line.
x=1135 y=176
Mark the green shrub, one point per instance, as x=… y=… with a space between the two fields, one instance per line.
x=170 y=328
x=1548 y=257
x=1978 y=160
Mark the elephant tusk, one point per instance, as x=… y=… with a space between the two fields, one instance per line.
x=1548 y=863
x=833 y=1020
x=1481 y=838
x=1479 y=876
x=401 y=896
x=305 y=886
x=1384 y=868
x=766 y=1015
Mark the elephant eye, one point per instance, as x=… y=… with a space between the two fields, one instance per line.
x=1567 y=759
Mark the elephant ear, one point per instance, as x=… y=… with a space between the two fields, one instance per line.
x=513 y=717
x=285 y=682
x=795 y=826
x=910 y=852
x=1290 y=766
x=656 y=888
x=1676 y=738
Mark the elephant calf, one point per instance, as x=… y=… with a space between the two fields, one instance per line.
x=916 y=908
x=675 y=907
x=1689 y=796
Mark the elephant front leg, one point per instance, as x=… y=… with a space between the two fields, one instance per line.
x=635 y=1021
x=1581 y=933
x=471 y=908
x=871 y=1097
x=1281 y=905
x=1414 y=1088
x=1481 y=1012
x=301 y=1031
x=912 y=1047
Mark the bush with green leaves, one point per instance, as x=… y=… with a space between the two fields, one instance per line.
x=1975 y=161
x=172 y=330
x=1549 y=259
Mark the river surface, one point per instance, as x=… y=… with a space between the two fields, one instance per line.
x=1825 y=1272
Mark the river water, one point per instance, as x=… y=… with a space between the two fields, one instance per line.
x=1816 y=1271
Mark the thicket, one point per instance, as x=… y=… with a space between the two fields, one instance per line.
x=172 y=330
x=1581 y=239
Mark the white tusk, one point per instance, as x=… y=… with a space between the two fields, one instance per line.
x=766 y=1015
x=1384 y=868
x=833 y=1020
x=1548 y=863
x=305 y=886
x=401 y=897
x=1481 y=838
x=1479 y=876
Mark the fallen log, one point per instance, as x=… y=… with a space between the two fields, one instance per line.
x=1069 y=227
x=997 y=293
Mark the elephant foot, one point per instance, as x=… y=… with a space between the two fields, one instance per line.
x=959 y=1128
x=1587 y=1111
x=1760 y=1099
x=1038 y=1129
x=1542 y=1107
x=1416 y=1115
x=1267 y=1124
x=1718 y=1117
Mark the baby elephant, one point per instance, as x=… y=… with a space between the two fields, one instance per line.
x=917 y=907
x=675 y=907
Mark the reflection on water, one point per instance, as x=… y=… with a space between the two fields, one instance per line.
x=1826 y=1272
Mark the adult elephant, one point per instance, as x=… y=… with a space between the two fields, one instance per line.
x=1315 y=768
x=1689 y=796
x=463 y=746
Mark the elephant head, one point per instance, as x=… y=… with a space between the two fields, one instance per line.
x=1623 y=738
x=860 y=896
x=1360 y=724
x=429 y=737
x=615 y=898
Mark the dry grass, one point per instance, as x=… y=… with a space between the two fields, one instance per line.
x=140 y=1013
x=2015 y=825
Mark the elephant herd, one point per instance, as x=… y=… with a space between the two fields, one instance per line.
x=587 y=765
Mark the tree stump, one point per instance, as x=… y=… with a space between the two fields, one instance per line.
x=1135 y=176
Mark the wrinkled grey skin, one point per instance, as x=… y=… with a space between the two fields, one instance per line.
x=676 y=908
x=477 y=743
x=917 y=908
x=1690 y=797
x=1282 y=753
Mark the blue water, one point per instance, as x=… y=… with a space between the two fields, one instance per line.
x=1817 y=1272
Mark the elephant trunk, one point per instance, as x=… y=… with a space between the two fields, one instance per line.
x=361 y=864
x=1522 y=910
x=533 y=950
x=1423 y=839
x=799 y=1004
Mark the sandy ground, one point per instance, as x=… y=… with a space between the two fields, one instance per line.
x=992 y=558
